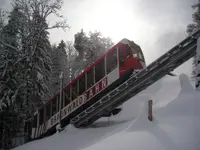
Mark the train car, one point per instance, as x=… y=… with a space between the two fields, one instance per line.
x=109 y=71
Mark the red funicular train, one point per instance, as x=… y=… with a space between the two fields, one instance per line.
x=109 y=71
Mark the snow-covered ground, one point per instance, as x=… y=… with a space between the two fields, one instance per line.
x=176 y=124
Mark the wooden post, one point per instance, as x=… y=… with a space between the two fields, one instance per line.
x=150 y=116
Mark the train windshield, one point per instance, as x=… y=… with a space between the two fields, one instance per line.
x=137 y=53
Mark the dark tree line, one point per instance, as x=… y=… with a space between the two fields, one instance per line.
x=30 y=65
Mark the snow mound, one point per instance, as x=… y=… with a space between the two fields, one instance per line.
x=186 y=86
x=174 y=127
x=187 y=98
x=131 y=109
x=141 y=120
x=70 y=128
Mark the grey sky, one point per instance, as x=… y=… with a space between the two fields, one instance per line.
x=156 y=25
x=4 y=3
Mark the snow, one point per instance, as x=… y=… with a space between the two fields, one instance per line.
x=175 y=125
x=58 y=127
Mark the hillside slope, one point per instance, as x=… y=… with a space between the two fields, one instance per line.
x=176 y=123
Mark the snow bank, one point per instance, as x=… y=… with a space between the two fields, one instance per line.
x=176 y=124
x=156 y=92
x=178 y=131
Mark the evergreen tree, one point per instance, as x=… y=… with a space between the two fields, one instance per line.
x=90 y=48
x=2 y=17
x=63 y=60
x=9 y=66
x=37 y=65
x=59 y=63
x=196 y=58
x=81 y=44
x=10 y=76
x=37 y=50
x=71 y=61
x=25 y=62
x=98 y=45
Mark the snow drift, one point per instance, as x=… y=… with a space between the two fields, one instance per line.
x=176 y=124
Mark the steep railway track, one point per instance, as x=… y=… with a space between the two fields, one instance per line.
x=139 y=81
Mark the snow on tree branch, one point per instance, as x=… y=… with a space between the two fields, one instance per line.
x=8 y=45
x=45 y=8
x=62 y=25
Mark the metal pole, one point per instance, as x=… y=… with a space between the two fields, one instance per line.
x=60 y=103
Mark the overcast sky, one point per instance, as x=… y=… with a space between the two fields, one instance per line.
x=156 y=25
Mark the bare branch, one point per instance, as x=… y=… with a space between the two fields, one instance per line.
x=62 y=25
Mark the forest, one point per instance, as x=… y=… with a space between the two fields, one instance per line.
x=30 y=64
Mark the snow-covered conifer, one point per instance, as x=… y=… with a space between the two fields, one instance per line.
x=90 y=48
x=9 y=66
x=38 y=61
x=59 y=63
x=190 y=29
x=71 y=60
x=37 y=49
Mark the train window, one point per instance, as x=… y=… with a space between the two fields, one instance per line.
x=111 y=61
x=121 y=56
x=35 y=121
x=90 y=78
x=135 y=53
x=82 y=85
x=140 y=56
x=99 y=71
x=48 y=112
x=54 y=106
x=58 y=102
x=67 y=94
x=128 y=52
x=63 y=99
x=74 y=91
x=66 y=99
x=41 y=116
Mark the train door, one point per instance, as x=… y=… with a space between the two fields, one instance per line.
x=121 y=52
x=128 y=58
x=131 y=62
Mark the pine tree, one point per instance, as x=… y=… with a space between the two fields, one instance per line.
x=2 y=17
x=196 y=58
x=59 y=63
x=37 y=49
x=90 y=48
x=37 y=65
x=63 y=61
x=10 y=76
x=9 y=66
x=81 y=44
x=98 y=45
x=71 y=61
x=25 y=62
